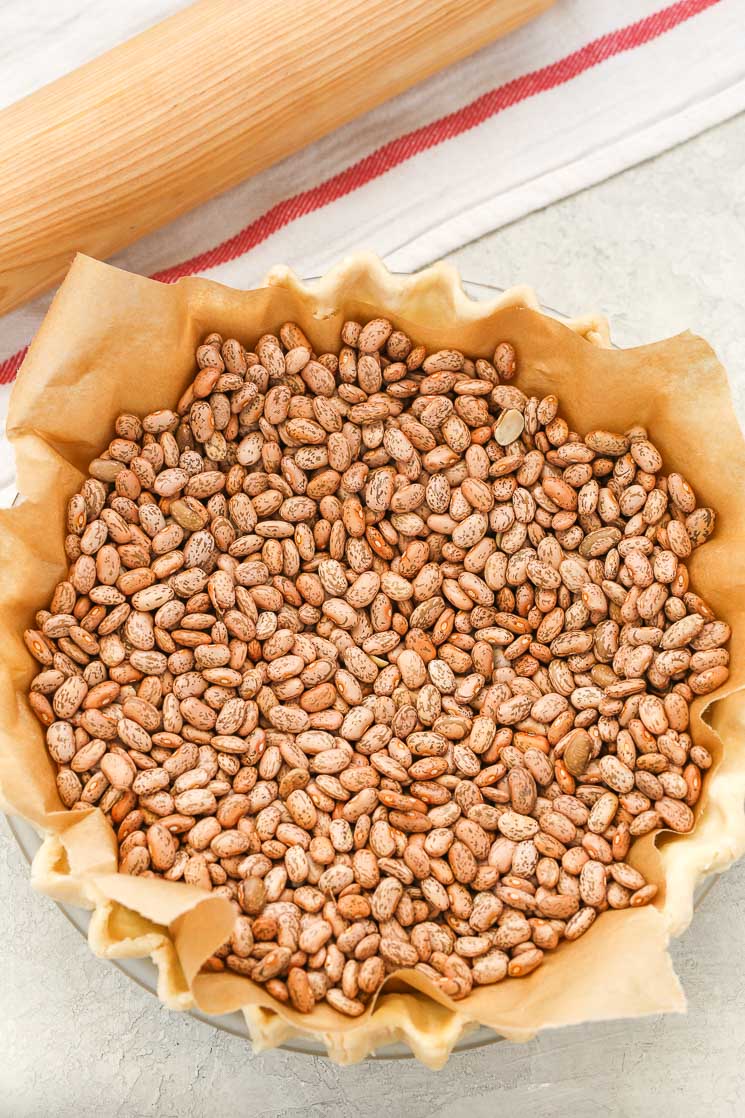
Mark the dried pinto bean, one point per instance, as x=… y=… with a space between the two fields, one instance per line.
x=379 y=649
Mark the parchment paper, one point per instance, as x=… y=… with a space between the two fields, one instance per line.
x=116 y=342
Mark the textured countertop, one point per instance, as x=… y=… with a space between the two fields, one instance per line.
x=659 y=248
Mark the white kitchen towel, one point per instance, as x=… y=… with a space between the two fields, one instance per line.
x=587 y=89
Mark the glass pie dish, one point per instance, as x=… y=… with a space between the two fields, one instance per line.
x=436 y=297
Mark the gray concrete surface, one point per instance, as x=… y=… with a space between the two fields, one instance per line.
x=659 y=248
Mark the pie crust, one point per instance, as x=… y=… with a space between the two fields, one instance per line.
x=108 y=324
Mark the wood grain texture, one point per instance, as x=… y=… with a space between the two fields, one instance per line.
x=201 y=102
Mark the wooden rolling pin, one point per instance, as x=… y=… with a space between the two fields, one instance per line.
x=200 y=102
